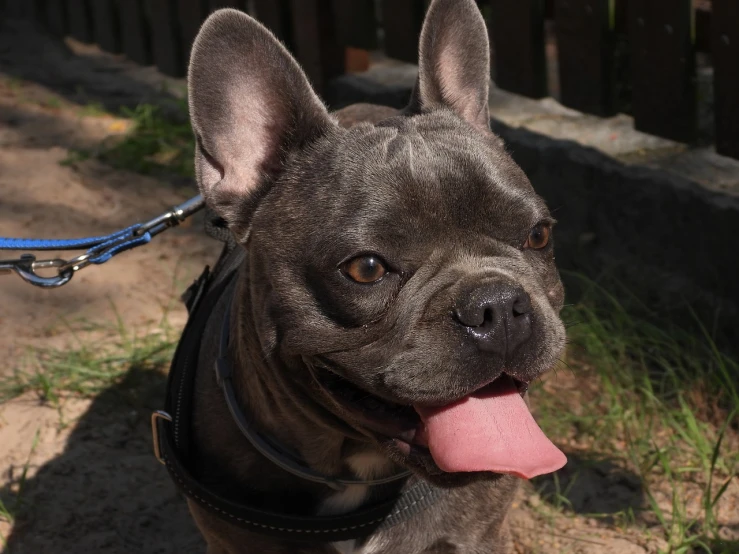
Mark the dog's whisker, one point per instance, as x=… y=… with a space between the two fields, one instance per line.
x=577 y=344
x=567 y=365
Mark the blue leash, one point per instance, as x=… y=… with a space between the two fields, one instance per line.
x=99 y=249
x=8 y=243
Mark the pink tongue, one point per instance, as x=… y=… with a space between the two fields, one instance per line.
x=490 y=430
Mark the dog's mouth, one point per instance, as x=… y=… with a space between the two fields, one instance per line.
x=489 y=429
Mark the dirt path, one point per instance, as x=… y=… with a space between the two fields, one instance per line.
x=39 y=124
x=83 y=465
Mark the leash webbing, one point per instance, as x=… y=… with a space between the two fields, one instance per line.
x=8 y=243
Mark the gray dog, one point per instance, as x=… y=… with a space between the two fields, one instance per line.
x=397 y=295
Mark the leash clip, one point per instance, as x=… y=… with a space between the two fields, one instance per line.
x=25 y=267
x=99 y=249
x=172 y=218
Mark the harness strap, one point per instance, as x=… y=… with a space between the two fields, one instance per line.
x=360 y=523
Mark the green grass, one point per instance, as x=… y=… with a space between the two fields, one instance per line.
x=89 y=367
x=93 y=109
x=9 y=510
x=156 y=144
x=52 y=102
x=5 y=515
x=127 y=360
x=664 y=403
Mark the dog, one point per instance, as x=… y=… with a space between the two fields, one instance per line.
x=398 y=294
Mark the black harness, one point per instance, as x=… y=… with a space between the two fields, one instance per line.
x=171 y=430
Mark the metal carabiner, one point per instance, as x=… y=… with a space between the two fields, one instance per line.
x=25 y=267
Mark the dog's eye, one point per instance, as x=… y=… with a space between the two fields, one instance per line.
x=538 y=236
x=364 y=269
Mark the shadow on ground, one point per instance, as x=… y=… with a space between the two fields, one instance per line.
x=588 y=486
x=27 y=52
x=106 y=492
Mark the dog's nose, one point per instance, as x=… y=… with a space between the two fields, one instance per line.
x=497 y=316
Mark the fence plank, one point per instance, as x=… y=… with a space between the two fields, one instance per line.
x=275 y=14
x=55 y=17
x=356 y=22
x=237 y=4
x=80 y=21
x=401 y=21
x=703 y=16
x=517 y=28
x=166 y=42
x=14 y=8
x=135 y=31
x=315 y=41
x=725 y=23
x=34 y=9
x=549 y=9
x=106 y=25
x=39 y=11
x=191 y=14
x=663 y=68
x=585 y=50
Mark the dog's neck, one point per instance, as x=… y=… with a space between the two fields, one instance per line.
x=269 y=392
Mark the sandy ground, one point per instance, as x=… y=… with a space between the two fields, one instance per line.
x=91 y=482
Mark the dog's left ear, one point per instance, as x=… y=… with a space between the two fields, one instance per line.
x=454 y=62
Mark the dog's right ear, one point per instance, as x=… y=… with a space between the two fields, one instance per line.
x=250 y=106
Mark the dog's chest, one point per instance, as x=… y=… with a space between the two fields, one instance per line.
x=350 y=547
x=365 y=466
x=343 y=502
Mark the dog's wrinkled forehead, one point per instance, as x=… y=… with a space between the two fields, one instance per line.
x=433 y=167
x=265 y=142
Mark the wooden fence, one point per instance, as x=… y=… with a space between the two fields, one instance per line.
x=637 y=56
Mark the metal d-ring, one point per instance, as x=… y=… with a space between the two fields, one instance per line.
x=26 y=267
x=158 y=414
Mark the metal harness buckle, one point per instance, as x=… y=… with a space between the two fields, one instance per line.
x=155 y=416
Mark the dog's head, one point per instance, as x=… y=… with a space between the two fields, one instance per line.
x=402 y=271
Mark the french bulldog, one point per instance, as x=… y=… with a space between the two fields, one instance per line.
x=398 y=293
